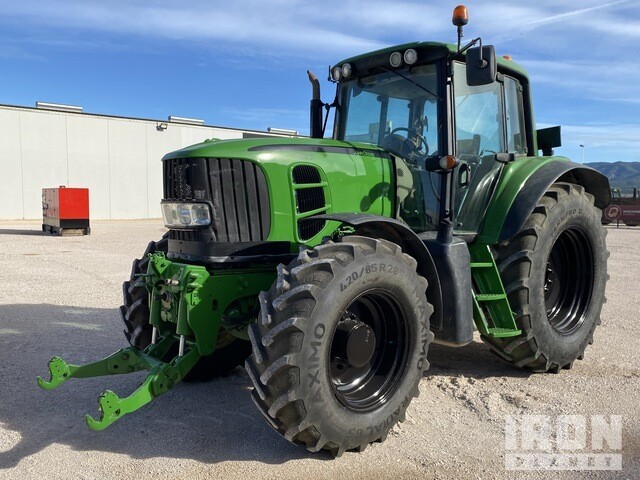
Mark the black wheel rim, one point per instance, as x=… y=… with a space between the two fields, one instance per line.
x=569 y=280
x=369 y=350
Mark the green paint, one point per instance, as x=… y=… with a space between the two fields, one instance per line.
x=491 y=311
x=190 y=301
x=358 y=180
x=512 y=178
x=184 y=300
x=161 y=378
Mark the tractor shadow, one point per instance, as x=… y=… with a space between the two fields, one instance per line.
x=21 y=231
x=474 y=360
x=209 y=422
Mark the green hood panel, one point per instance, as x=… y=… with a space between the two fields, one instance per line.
x=355 y=177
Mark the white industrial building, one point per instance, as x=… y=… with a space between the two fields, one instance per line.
x=117 y=158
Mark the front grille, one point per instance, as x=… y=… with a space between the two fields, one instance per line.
x=309 y=228
x=305 y=174
x=308 y=199
x=237 y=190
x=184 y=235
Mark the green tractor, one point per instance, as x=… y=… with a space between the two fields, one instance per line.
x=328 y=266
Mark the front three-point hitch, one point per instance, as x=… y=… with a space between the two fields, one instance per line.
x=176 y=294
x=187 y=306
x=161 y=378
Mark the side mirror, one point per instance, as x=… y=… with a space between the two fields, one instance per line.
x=548 y=138
x=481 y=66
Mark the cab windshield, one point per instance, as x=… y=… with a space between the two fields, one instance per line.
x=398 y=111
x=377 y=108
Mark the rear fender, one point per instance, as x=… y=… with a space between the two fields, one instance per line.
x=522 y=185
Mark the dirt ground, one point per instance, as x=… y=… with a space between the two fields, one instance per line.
x=60 y=296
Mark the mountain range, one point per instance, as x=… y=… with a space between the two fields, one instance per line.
x=622 y=175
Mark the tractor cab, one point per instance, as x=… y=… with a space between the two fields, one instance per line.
x=421 y=103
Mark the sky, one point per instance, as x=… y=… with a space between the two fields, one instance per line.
x=243 y=63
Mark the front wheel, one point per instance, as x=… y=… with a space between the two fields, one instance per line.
x=341 y=344
x=554 y=272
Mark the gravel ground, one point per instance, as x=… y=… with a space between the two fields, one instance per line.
x=60 y=297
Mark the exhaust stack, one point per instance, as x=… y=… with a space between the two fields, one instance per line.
x=315 y=109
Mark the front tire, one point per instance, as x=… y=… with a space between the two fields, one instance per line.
x=341 y=344
x=554 y=272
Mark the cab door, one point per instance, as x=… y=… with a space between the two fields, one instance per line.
x=488 y=119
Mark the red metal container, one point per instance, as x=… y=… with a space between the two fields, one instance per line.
x=65 y=210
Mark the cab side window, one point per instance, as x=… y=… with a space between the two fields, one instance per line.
x=479 y=117
x=516 y=142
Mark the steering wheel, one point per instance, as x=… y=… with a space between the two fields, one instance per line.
x=404 y=146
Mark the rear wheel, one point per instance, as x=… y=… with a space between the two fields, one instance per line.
x=230 y=351
x=554 y=271
x=341 y=344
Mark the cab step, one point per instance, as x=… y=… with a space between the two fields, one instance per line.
x=491 y=311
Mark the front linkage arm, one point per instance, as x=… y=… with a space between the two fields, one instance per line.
x=183 y=286
x=161 y=378
x=186 y=307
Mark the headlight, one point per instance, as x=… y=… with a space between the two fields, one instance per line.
x=395 y=59
x=185 y=215
x=410 y=56
x=336 y=74
x=346 y=70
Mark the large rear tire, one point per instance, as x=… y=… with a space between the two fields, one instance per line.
x=230 y=351
x=554 y=272
x=341 y=344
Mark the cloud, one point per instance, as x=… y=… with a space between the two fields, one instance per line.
x=306 y=29
x=605 y=135
x=611 y=81
x=601 y=136
x=571 y=15
x=17 y=52
x=264 y=25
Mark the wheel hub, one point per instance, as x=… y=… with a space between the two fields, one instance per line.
x=355 y=342
x=568 y=281
x=369 y=350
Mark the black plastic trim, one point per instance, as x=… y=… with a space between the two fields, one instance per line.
x=67 y=222
x=220 y=252
x=453 y=261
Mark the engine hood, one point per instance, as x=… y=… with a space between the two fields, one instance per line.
x=351 y=177
x=266 y=149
